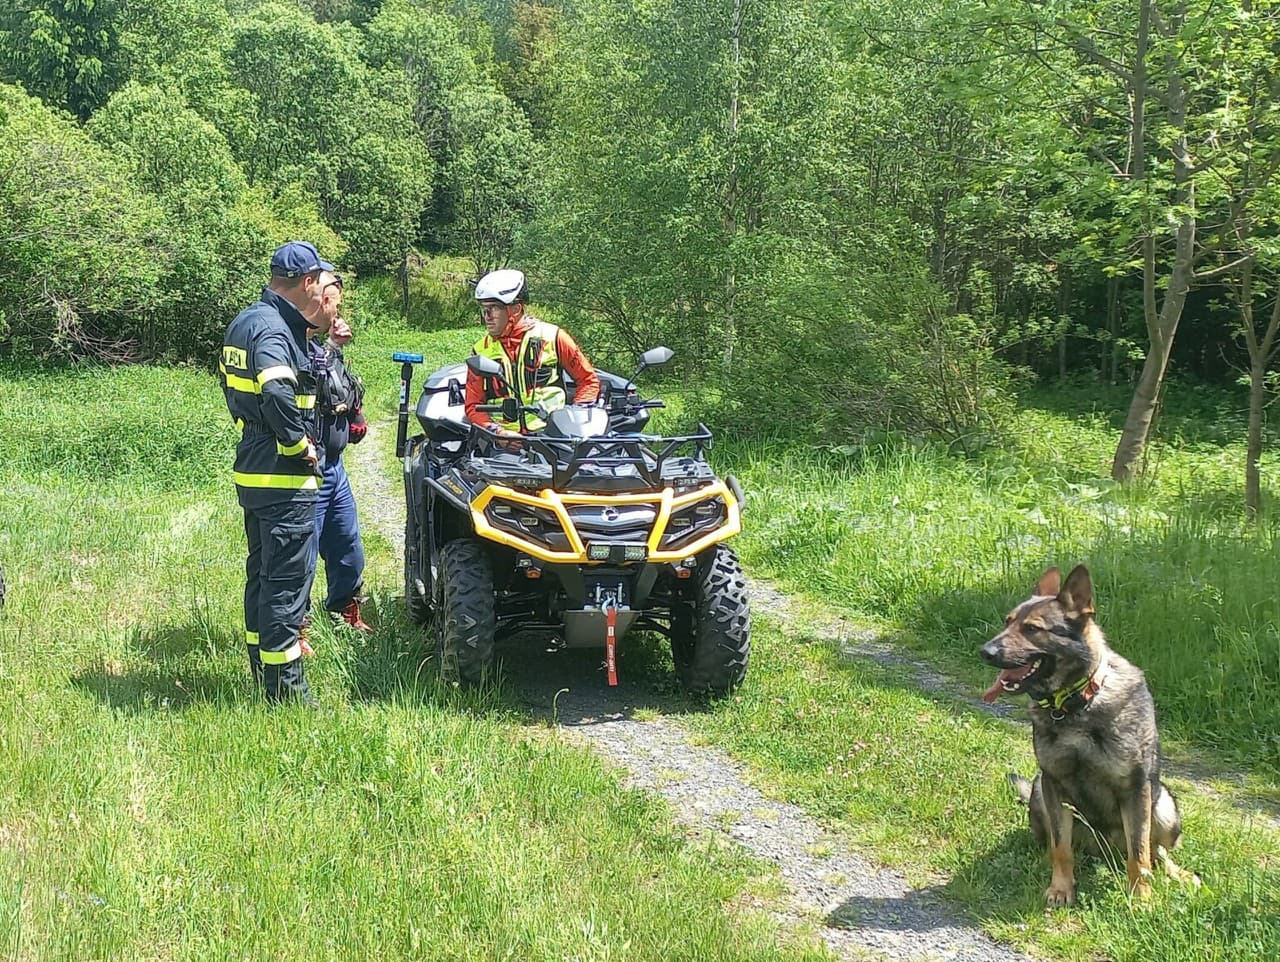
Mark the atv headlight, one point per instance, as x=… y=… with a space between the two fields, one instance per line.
x=521 y=519
x=697 y=518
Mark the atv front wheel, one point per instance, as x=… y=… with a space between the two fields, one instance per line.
x=711 y=629
x=418 y=607
x=466 y=620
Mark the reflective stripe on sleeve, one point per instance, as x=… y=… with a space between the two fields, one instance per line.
x=289 y=450
x=251 y=638
x=305 y=402
x=237 y=383
x=299 y=482
x=280 y=371
x=292 y=653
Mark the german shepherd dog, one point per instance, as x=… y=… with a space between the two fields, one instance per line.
x=1093 y=728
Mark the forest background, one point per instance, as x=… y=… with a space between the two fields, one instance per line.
x=887 y=215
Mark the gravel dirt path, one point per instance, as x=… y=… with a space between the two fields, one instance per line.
x=860 y=910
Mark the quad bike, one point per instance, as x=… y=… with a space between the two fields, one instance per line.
x=583 y=531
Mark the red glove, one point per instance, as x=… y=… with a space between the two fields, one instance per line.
x=358 y=427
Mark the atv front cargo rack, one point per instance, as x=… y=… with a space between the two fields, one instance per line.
x=616 y=462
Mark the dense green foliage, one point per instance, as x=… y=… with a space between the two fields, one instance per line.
x=915 y=208
x=914 y=202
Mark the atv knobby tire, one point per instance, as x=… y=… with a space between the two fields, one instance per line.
x=711 y=630
x=465 y=619
x=418 y=607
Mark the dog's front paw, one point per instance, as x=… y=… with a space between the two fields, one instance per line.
x=1060 y=893
x=1139 y=881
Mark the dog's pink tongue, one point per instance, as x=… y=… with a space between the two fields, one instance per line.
x=1010 y=675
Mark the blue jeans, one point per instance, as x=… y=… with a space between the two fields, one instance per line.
x=339 y=537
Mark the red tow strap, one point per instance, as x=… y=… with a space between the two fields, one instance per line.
x=610 y=644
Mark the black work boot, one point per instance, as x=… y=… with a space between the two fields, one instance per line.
x=287 y=684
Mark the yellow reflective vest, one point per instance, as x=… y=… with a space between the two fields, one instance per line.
x=536 y=377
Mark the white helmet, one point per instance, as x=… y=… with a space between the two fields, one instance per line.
x=507 y=286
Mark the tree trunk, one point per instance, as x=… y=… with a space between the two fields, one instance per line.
x=1110 y=363
x=1253 y=450
x=1137 y=424
x=1261 y=353
x=731 y=190
x=1064 y=303
x=1162 y=324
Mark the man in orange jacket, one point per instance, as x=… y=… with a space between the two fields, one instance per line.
x=534 y=356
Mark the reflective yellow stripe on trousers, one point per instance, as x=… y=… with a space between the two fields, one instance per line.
x=292 y=653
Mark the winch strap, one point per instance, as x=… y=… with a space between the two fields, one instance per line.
x=610 y=644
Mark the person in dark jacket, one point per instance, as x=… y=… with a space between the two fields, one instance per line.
x=340 y=397
x=270 y=390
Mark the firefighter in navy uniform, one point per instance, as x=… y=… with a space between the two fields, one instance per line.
x=271 y=392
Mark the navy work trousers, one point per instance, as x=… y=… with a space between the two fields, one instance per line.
x=338 y=537
x=278 y=576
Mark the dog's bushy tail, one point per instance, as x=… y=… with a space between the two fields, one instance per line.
x=1021 y=787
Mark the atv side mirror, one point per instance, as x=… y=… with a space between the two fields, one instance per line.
x=655 y=357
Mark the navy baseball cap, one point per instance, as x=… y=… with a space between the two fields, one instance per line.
x=297 y=258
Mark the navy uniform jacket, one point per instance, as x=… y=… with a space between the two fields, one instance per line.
x=270 y=390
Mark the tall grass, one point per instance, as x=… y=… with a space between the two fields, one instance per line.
x=150 y=807
x=939 y=548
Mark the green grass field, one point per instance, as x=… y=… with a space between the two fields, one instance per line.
x=151 y=808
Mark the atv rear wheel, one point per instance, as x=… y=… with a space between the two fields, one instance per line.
x=418 y=607
x=466 y=620
x=711 y=629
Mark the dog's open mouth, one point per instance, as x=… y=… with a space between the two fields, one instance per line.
x=1010 y=681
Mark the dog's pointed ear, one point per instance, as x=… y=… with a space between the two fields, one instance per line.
x=1076 y=596
x=1049 y=582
